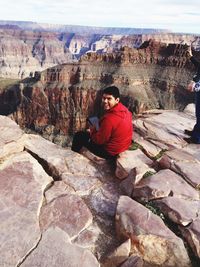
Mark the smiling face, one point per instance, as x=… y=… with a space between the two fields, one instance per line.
x=109 y=101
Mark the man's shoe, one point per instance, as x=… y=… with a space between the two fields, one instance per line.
x=89 y=155
x=188 y=132
x=191 y=140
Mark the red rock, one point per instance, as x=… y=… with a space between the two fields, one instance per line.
x=179 y=210
x=150 y=238
x=162 y=184
x=22 y=185
x=68 y=212
x=55 y=249
x=192 y=235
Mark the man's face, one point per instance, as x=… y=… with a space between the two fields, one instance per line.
x=108 y=101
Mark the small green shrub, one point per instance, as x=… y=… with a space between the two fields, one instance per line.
x=160 y=154
x=155 y=210
x=135 y=146
x=148 y=173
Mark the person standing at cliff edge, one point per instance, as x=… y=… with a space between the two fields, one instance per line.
x=114 y=134
x=194 y=86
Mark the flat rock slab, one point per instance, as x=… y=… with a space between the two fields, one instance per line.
x=59 y=161
x=179 y=210
x=88 y=238
x=68 y=212
x=104 y=200
x=150 y=149
x=9 y=130
x=193 y=149
x=55 y=249
x=22 y=185
x=184 y=162
x=162 y=184
x=82 y=184
x=58 y=188
x=133 y=159
x=10 y=137
x=150 y=237
x=167 y=127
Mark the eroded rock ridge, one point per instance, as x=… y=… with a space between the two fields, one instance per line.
x=29 y=47
x=57 y=101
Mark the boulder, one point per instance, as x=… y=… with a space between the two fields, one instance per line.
x=150 y=237
x=191 y=234
x=185 y=162
x=179 y=210
x=162 y=184
x=133 y=159
x=22 y=186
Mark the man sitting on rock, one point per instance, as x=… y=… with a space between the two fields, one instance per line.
x=114 y=134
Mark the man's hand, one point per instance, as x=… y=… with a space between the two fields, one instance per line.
x=190 y=87
x=189 y=51
x=91 y=129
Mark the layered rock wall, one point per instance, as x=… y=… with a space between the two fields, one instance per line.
x=22 y=52
x=59 y=99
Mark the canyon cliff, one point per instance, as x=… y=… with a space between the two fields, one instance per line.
x=28 y=47
x=57 y=101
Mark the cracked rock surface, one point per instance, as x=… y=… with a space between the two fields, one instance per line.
x=60 y=208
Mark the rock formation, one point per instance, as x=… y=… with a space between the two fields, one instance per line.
x=74 y=209
x=24 y=52
x=29 y=47
x=57 y=101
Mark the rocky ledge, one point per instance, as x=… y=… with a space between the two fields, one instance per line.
x=60 y=208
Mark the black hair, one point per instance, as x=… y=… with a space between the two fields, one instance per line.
x=112 y=90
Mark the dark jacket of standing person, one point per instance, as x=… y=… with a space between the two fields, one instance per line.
x=196 y=63
x=195 y=87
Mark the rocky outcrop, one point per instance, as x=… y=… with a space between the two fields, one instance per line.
x=74 y=209
x=57 y=101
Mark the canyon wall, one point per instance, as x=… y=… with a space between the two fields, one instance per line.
x=57 y=101
x=24 y=50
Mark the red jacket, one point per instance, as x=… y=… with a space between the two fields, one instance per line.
x=115 y=131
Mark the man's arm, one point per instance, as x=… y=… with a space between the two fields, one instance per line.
x=102 y=136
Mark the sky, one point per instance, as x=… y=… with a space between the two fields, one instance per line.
x=181 y=16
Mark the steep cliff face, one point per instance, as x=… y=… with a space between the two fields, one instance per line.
x=22 y=52
x=58 y=100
